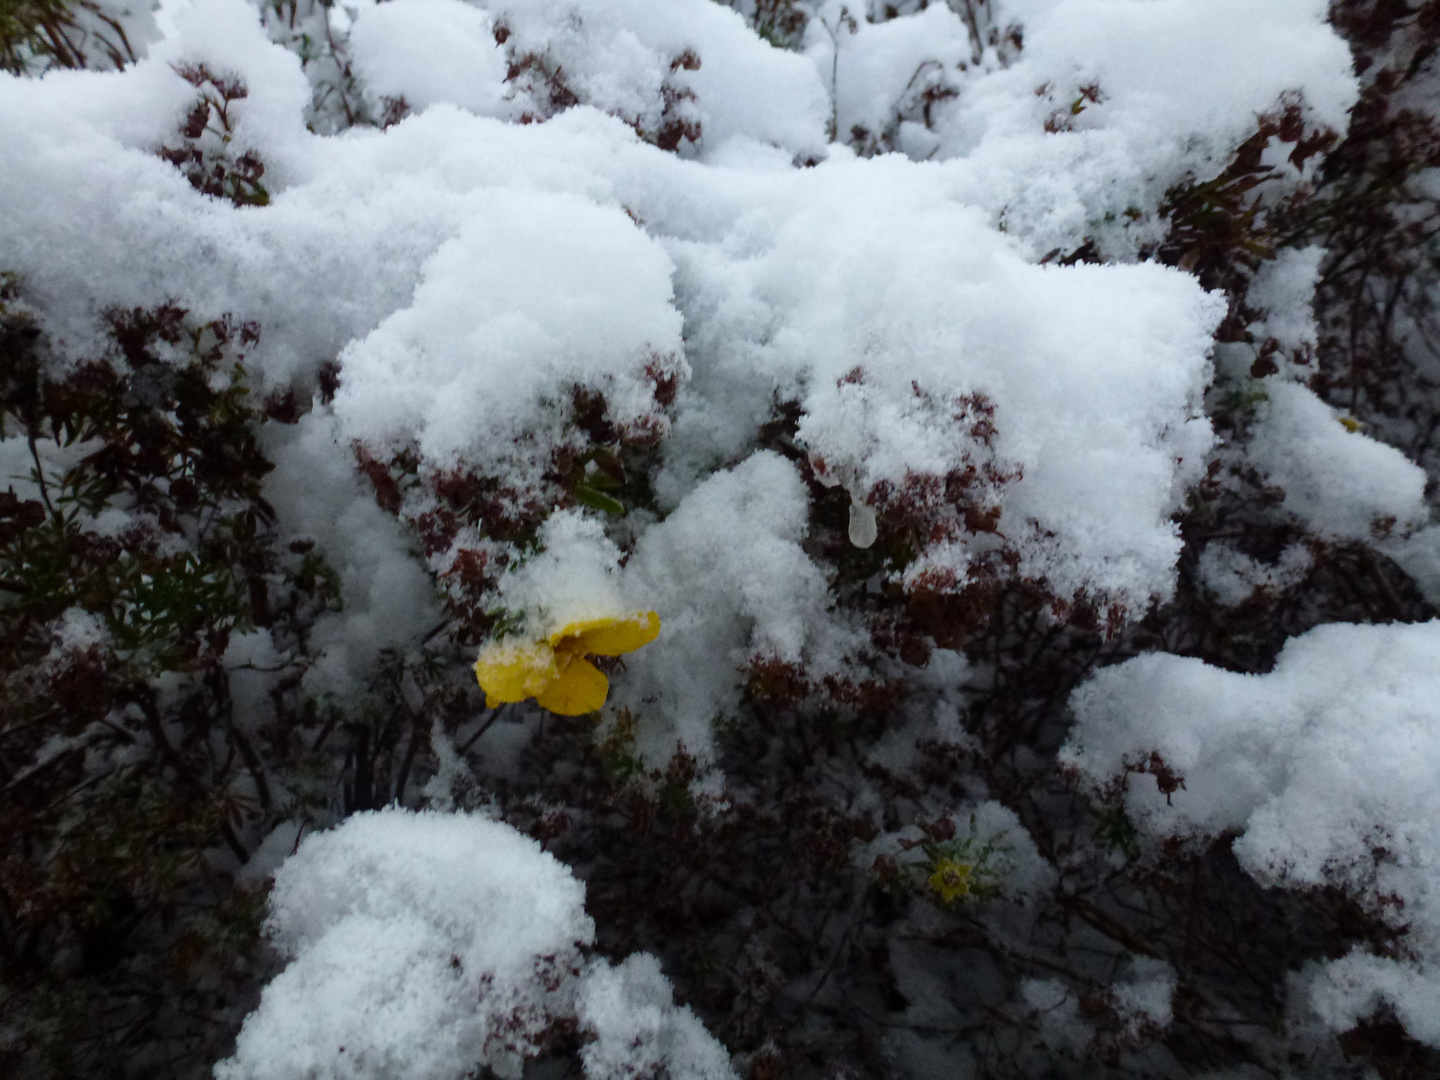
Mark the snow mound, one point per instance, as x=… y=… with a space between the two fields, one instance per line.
x=684 y=73
x=1324 y=768
x=639 y=1031
x=542 y=291
x=420 y=945
x=426 y=946
x=1342 y=484
x=727 y=571
x=424 y=52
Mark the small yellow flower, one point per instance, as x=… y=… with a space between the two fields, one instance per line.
x=951 y=880
x=555 y=672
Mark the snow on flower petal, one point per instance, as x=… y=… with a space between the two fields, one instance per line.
x=610 y=637
x=555 y=672
x=511 y=671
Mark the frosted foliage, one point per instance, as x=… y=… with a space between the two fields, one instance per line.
x=881 y=67
x=1325 y=767
x=1026 y=873
x=1014 y=867
x=727 y=569
x=470 y=272
x=420 y=945
x=1057 y=1013
x=1342 y=484
x=425 y=946
x=605 y=200
x=1351 y=989
x=1419 y=555
x=639 y=1031
x=99 y=35
x=1144 y=1000
x=76 y=631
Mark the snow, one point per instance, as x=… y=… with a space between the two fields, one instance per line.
x=1234 y=577
x=639 y=1031
x=1144 y=1000
x=1419 y=556
x=574 y=578
x=626 y=57
x=423 y=946
x=468 y=271
x=1351 y=989
x=429 y=51
x=602 y=196
x=1283 y=289
x=1014 y=868
x=418 y=947
x=540 y=291
x=1342 y=484
x=880 y=64
x=1057 y=1013
x=77 y=630
x=1180 y=85
x=386 y=600
x=1324 y=768
x=887 y=309
x=727 y=572
x=98 y=35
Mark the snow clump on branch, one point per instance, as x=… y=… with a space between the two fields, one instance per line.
x=1324 y=770
x=421 y=946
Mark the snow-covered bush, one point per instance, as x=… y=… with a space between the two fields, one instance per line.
x=425 y=945
x=1323 y=769
x=715 y=440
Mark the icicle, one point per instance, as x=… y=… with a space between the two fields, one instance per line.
x=863 y=527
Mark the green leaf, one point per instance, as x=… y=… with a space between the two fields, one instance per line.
x=596 y=500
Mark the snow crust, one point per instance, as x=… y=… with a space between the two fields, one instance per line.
x=1323 y=769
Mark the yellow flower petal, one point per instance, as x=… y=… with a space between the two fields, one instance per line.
x=510 y=671
x=580 y=688
x=609 y=636
x=951 y=880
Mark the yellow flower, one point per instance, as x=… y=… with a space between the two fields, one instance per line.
x=951 y=880
x=555 y=672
